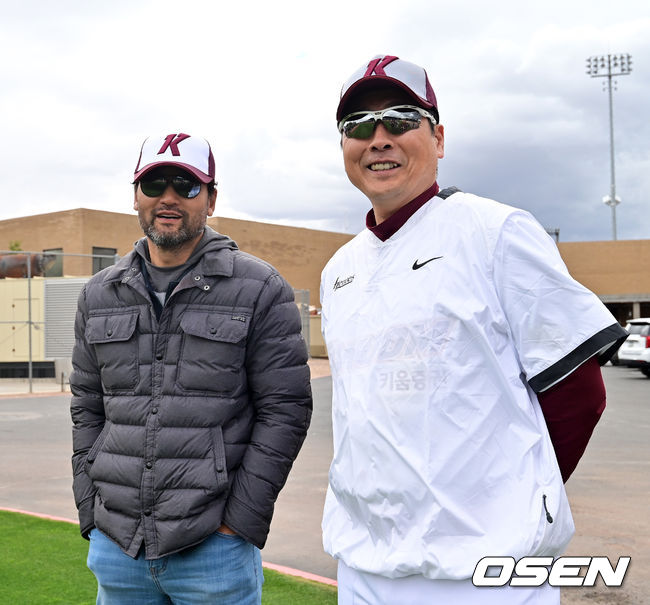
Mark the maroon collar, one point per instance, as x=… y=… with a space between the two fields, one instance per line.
x=393 y=223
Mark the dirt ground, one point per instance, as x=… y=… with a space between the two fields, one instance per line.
x=608 y=493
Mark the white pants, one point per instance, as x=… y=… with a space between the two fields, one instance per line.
x=361 y=588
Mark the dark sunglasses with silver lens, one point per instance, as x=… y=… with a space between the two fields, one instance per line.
x=397 y=120
x=183 y=186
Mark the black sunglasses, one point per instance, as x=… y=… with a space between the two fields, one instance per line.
x=185 y=187
x=397 y=120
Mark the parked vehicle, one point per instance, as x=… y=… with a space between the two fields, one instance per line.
x=635 y=351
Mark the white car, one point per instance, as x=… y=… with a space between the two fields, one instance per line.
x=635 y=351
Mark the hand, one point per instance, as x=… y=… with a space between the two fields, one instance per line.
x=224 y=529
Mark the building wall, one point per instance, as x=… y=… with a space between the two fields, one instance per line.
x=106 y=230
x=619 y=272
x=35 y=233
x=76 y=231
x=299 y=254
x=610 y=268
x=14 y=318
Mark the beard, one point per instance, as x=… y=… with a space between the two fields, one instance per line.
x=187 y=231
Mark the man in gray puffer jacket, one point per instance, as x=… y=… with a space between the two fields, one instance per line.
x=191 y=397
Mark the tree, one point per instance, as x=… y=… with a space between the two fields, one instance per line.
x=14 y=245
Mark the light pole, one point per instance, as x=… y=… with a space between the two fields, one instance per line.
x=609 y=66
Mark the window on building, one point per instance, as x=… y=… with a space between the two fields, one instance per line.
x=55 y=269
x=102 y=258
x=621 y=311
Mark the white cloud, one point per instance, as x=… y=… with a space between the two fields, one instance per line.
x=84 y=83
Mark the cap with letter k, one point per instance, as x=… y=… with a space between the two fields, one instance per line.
x=389 y=70
x=192 y=154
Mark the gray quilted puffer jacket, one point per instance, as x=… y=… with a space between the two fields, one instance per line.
x=191 y=420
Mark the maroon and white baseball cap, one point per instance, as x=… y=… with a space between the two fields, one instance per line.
x=176 y=149
x=383 y=69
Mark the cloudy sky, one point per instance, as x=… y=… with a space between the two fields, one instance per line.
x=82 y=83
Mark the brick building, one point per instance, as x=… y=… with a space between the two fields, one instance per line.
x=86 y=241
x=618 y=272
x=299 y=254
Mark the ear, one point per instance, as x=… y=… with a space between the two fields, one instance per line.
x=135 y=196
x=212 y=201
x=439 y=135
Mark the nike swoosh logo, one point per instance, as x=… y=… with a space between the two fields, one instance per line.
x=417 y=265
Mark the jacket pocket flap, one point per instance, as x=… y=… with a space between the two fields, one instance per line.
x=223 y=327
x=110 y=328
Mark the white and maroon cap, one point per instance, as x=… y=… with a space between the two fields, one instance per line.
x=177 y=149
x=409 y=77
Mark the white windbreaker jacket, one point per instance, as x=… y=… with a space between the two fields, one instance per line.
x=438 y=339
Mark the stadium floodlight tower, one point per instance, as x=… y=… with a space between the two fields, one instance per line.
x=610 y=66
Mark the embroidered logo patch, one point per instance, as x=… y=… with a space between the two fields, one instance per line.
x=339 y=283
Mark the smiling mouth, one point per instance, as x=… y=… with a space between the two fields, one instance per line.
x=168 y=216
x=381 y=166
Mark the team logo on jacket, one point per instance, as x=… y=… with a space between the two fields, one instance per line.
x=339 y=283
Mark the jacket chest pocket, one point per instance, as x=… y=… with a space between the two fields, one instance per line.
x=213 y=351
x=116 y=346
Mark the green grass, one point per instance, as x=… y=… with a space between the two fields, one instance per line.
x=44 y=562
x=280 y=589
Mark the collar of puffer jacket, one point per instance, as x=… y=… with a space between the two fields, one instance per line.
x=210 y=264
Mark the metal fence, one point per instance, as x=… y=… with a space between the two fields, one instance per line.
x=37 y=310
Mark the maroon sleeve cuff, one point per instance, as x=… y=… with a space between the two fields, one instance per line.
x=572 y=408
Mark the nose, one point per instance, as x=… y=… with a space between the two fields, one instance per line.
x=381 y=138
x=169 y=194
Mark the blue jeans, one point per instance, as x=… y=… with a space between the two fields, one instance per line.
x=223 y=570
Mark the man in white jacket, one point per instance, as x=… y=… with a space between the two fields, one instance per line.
x=465 y=367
